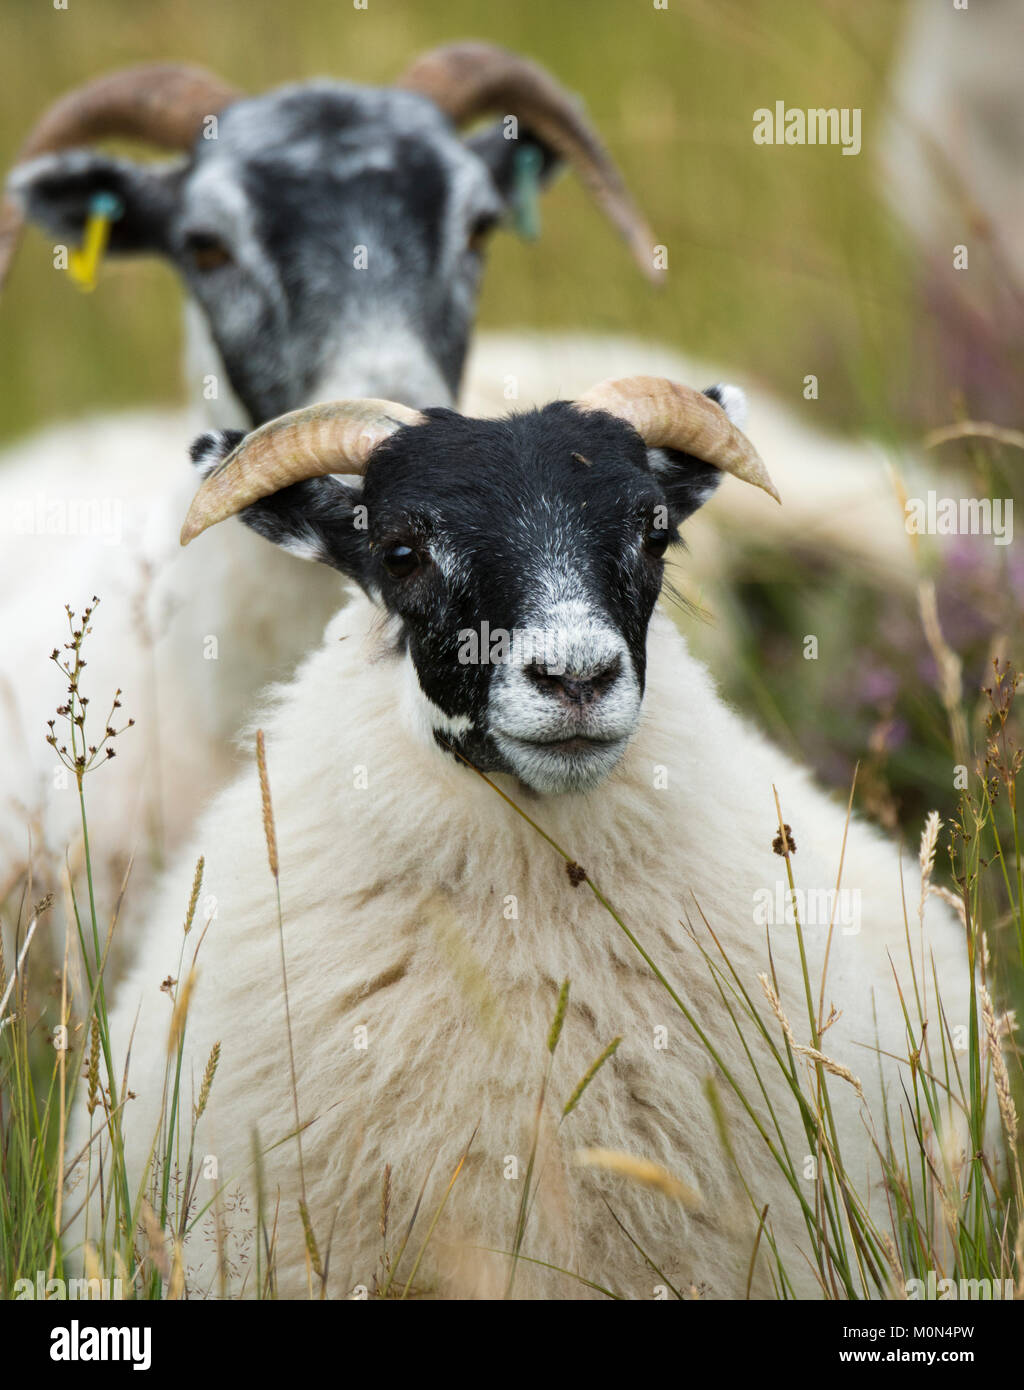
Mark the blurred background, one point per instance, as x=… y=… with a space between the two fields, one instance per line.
x=784 y=262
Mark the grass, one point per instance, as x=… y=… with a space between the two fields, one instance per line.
x=956 y=1215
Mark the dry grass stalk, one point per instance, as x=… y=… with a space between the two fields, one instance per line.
x=829 y=1063
x=197 y=883
x=926 y=855
x=640 y=1170
x=974 y=429
x=208 y=1075
x=949 y=668
x=1007 y=1109
x=19 y=964
x=899 y=1278
x=176 y=1283
x=180 y=1014
x=385 y=1201
x=832 y=1066
x=94 y=1066
x=268 y=810
x=777 y=1010
x=953 y=900
x=155 y=1239
x=91 y=1260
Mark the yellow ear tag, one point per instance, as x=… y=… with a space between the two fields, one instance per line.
x=84 y=262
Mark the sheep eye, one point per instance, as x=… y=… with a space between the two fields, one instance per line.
x=206 y=252
x=656 y=540
x=401 y=560
x=480 y=231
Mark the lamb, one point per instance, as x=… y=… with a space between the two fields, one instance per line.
x=428 y=925
x=264 y=220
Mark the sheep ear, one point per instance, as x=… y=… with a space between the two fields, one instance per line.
x=689 y=482
x=320 y=519
x=56 y=192
x=502 y=152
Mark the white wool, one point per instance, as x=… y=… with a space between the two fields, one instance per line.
x=398 y=867
x=190 y=637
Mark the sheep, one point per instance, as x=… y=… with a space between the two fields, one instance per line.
x=264 y=221
x=192 y=645
x=428 y=925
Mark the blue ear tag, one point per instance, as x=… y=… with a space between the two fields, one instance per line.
x=83 y=264
x=526 y=192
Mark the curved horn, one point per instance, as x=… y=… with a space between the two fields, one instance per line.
x=162 y=104
x=667 y=416
x=334 y=437
x=474 y=79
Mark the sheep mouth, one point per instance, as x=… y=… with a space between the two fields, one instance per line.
x=572 y=763
x=572 y=744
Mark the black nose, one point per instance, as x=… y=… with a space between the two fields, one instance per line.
x=572 y=687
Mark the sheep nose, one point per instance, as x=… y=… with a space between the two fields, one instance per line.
x=575 y=688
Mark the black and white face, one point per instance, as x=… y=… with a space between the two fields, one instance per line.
x=331 y=237
x=519 y=561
